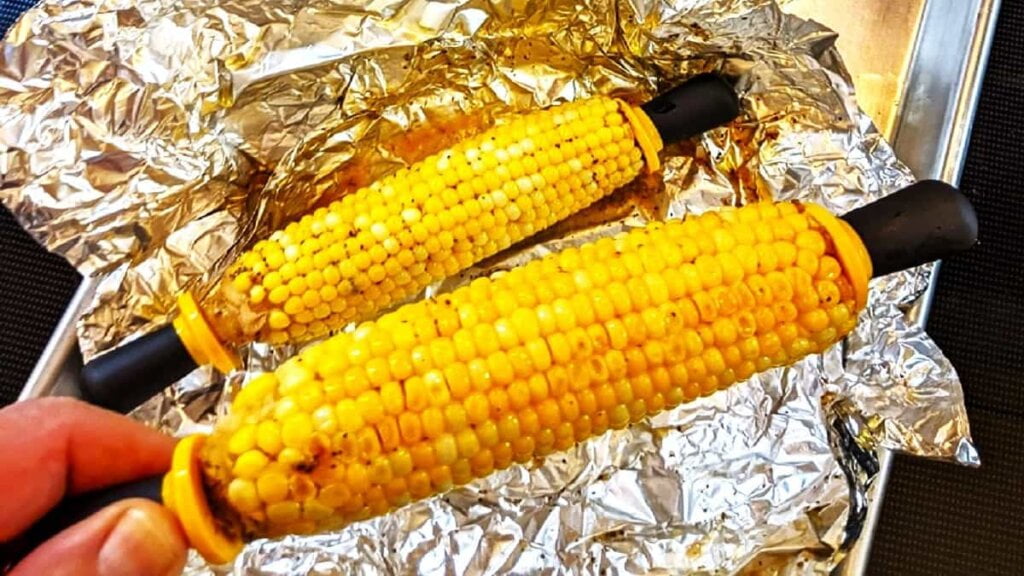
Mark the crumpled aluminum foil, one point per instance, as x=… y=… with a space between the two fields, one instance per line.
x=147 y=141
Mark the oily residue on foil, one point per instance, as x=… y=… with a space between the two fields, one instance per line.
x=149 y=141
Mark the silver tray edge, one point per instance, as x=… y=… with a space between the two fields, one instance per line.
x=946 y=139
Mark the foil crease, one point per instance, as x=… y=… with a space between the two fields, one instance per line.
x=149 y=141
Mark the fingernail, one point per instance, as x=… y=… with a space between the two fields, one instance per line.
x=141 y=544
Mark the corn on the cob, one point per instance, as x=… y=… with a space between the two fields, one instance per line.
x=383 y=243
x=512 y=368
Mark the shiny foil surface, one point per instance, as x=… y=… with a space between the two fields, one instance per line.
x=150 y=141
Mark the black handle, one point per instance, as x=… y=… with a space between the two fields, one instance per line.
x=132 y=373
x=925 y=222
x=70 y=512
x=701 y=103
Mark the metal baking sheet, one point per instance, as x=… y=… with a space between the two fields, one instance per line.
x=917 y=66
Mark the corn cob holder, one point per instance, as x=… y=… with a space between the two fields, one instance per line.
x=384 y=243
x=517 y=366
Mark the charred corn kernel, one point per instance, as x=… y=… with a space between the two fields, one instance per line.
x=608 y=334
x=390 y=239
x=290 y=457
x=302 y=487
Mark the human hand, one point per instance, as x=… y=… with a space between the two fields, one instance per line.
x=56 y=447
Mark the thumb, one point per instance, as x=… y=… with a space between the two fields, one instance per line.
x=129 y=538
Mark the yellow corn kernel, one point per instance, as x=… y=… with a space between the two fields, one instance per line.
x=249 y=464
x=416 y=397
x=272 y=487
x=457 y=376
x=371 y=408
x=256 y=392
x=357 y=478
x=324 y=420
x=283 y=512
x=278 y=319
x=410 y=427
x=445 y=449
x=296 y=430
x=316 y=512
x=433 y=422
x=477 y=409
x=392 y=398
x=291 y=457
x=401 y=462
x=242 y=495
x=389 y=434
x=349 y=416
x=268 y=437
x=242 y=440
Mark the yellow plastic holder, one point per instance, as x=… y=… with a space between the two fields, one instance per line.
x=646 y=135
x=183 y=494
x=199 y=339
x=850 y=250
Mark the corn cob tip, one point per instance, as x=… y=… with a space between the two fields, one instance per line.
x=184 y=495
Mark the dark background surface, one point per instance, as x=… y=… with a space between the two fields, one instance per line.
x=937 y=518
x=941 y=519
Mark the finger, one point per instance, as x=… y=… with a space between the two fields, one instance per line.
x=132 y=537
x=54 y=446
